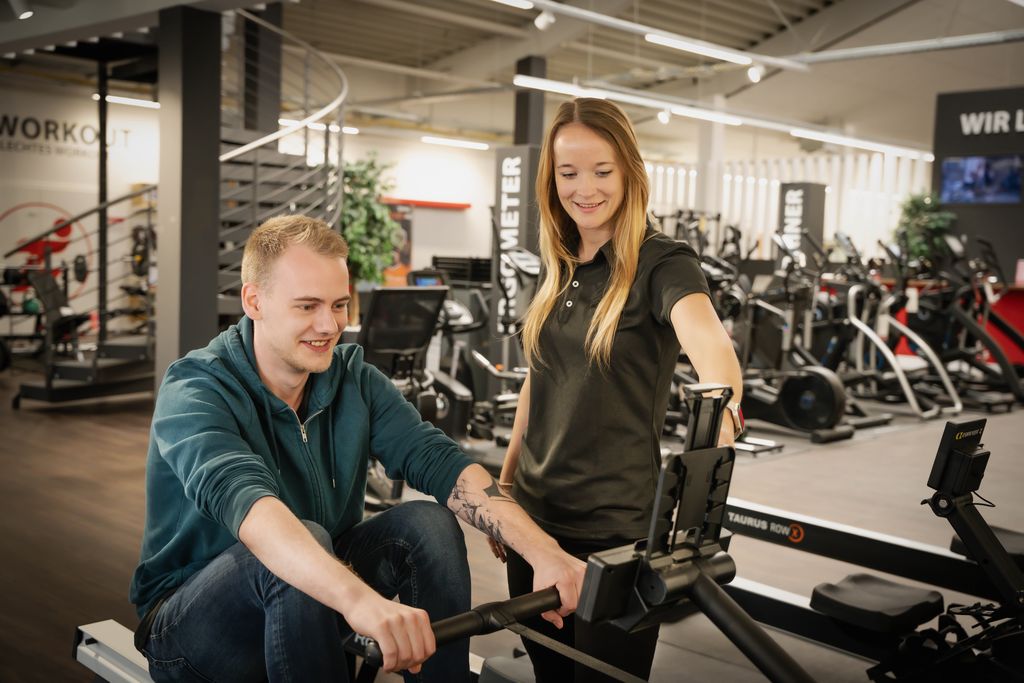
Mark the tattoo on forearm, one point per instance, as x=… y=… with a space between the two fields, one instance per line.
x=475 y=507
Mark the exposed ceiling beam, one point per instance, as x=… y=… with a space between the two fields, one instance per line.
x=661 y=37
x=53 y=24
x=495 y=56
x=433 y=98
x=912 y=46
x=618 y=55
x=374 y=65
x=449 y=17
x=828 y=27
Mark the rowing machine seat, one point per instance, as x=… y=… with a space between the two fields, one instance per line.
x=877 y=604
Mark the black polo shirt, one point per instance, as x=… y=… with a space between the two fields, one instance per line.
x=590 y=458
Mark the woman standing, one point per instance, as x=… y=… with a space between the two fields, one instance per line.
x=602 y=337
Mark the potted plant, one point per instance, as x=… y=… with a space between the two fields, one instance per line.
x=926 y=226
x=367 y=225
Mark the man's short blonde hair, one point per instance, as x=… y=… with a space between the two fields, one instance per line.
x=270 y=240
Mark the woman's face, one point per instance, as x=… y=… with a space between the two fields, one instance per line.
x=588 y=177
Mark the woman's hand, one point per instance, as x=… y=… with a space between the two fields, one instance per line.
x=726 y=434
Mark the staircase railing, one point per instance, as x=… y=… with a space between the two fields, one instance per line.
x=78 y=264
x=296 y=169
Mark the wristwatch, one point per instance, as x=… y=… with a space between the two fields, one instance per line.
x=738 y=424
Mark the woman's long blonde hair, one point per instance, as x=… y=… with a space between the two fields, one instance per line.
x=558 y=230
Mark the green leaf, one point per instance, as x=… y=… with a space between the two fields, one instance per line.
x=366 y=223
x=926 y=225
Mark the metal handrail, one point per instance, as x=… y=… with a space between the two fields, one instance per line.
x=271 y=189
x=74 y=219
x=312 y=118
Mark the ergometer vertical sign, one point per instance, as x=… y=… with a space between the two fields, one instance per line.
x=515 y=225
x=510 y=218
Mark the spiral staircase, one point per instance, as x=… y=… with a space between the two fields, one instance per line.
x=98 y=339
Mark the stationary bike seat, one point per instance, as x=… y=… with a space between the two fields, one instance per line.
x=1013 y=541
x=877 y=604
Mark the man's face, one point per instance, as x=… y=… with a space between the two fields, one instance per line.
x=302 y=309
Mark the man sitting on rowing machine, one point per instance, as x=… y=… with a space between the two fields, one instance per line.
x=254 y=547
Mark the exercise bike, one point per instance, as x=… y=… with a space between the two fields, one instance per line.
x=783 y=384
x=953 y=317
x=857 y=334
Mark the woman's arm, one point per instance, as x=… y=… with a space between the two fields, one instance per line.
x=709 y=349
x=515 y=443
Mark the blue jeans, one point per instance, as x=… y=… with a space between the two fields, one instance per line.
x=235 y=621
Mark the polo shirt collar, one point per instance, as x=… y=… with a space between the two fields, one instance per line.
x=607 y=249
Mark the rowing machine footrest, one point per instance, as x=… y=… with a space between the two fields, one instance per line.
x=507 y=670
x=876 y=604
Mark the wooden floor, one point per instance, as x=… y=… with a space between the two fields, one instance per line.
x=72 y=505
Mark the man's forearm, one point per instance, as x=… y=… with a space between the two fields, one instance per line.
x=287 y=548
x=478 y=500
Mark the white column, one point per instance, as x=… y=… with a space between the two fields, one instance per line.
x=710 y=156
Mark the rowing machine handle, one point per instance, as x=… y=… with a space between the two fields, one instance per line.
x=483 y=619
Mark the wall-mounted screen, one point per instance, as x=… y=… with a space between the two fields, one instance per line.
x=981 y=180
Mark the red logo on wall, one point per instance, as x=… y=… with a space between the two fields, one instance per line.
x=33 y=254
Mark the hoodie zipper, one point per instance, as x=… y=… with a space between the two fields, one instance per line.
x=317 y=495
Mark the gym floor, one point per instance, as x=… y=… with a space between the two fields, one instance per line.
x=72 y=504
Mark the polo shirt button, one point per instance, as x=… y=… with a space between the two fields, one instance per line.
x=568 y=304
x=575 y=283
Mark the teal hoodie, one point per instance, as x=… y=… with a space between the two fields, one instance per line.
x=220 y=440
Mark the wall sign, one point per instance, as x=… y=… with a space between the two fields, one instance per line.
x=515 y=225
x=979 y=157
x=801 y=209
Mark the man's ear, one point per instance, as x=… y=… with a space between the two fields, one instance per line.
x=251 y=301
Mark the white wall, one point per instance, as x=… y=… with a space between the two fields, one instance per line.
x=863 y=193
x=49 y=170
x=439 y=174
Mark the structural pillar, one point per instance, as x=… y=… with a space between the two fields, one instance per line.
x=261 y=82
x=188 y=215
x=529 y=128
x=710 y=158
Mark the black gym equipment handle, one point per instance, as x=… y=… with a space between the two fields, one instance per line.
x=751 y=639
x=482 y=619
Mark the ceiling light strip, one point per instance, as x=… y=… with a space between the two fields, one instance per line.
x=668 y=39
x=455 y=142
x=697 y=48
x=130 y=101
x=847 y=141
x=574 y=90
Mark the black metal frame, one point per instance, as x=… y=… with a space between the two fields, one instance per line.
x=910 y=559
x=956 y=473
x=680 y=562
